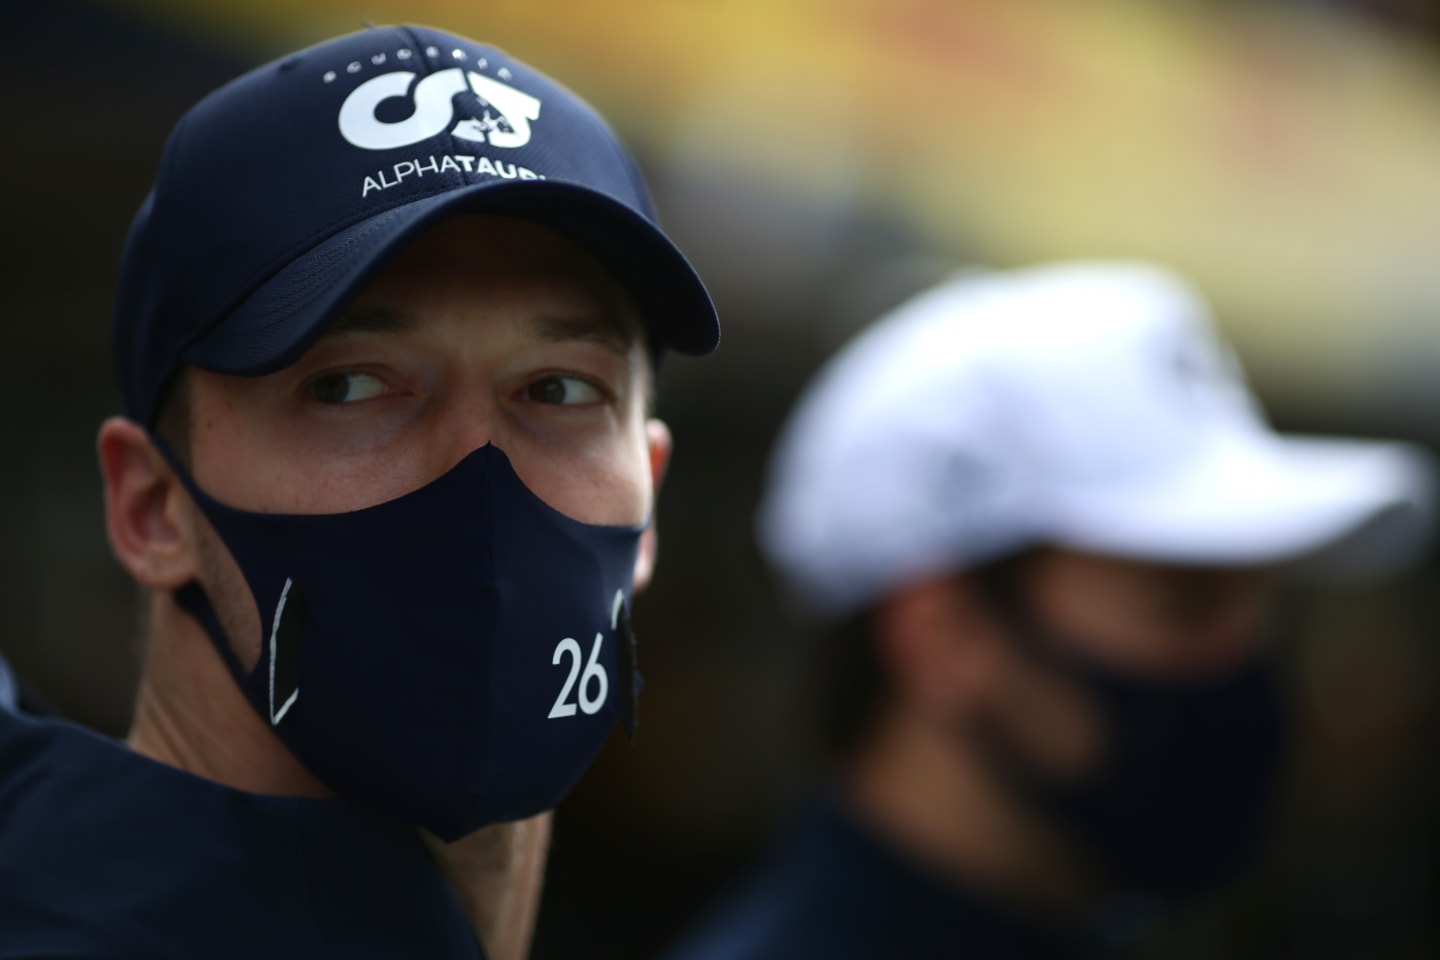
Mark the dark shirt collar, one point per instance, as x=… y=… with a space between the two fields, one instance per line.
x=104 y=852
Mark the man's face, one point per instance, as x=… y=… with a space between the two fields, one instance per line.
x=1145 y=621
x=484 y=330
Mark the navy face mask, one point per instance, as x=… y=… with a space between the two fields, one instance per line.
x=451 y=658
x=1182 y=799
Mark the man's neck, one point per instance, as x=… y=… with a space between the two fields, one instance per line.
x=191 y=714
x=930 y=792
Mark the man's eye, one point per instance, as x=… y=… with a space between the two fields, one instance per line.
x=563 y=391
x=347 y=387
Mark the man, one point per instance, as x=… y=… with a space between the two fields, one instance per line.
x=1048 y=518
x=385 y=328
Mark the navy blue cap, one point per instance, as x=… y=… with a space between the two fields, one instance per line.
x=282 y=192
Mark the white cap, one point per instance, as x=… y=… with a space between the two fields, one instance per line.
x=1086 y=405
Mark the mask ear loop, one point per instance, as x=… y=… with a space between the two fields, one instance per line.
x=1117 y=920
x=192 y=598
x=1000 y=587
x=630 y=680
x=1001 y=590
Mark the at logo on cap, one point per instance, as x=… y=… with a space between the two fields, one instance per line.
x=434 y=109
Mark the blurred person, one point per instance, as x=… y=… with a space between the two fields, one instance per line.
x=1045 y=519
x=386 y=328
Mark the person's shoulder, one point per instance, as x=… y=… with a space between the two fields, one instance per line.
x=49 y=792
x=754 y=925
x=789 y=907
x=32 y=754
x=98 y=845
x=41 y=758
x=835 y=888
x=104 y=853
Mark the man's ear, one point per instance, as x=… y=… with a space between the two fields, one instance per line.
x=658 y=442
x=938 y=646
x=146 y=513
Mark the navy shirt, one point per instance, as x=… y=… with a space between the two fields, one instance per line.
x=105 y=853
x=835 y=890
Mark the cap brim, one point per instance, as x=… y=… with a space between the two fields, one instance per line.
x=276 y=323
x=1336 y=507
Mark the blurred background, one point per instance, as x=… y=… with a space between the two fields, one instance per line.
x=820 y=161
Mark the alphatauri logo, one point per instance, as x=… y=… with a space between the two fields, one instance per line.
x=507 y=127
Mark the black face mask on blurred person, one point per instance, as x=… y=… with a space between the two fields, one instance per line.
x=1181 y=800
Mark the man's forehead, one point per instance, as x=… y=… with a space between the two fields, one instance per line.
x=577 y=295
x=605 y=327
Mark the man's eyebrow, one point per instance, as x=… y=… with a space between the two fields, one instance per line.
x=372 y=320
x=591 y=328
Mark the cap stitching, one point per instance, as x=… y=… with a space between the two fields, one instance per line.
x=220 y=308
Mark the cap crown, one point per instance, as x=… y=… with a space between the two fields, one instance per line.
x=283 y=158
x=941 y=436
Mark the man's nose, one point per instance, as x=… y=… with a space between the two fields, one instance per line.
x=468 y=420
